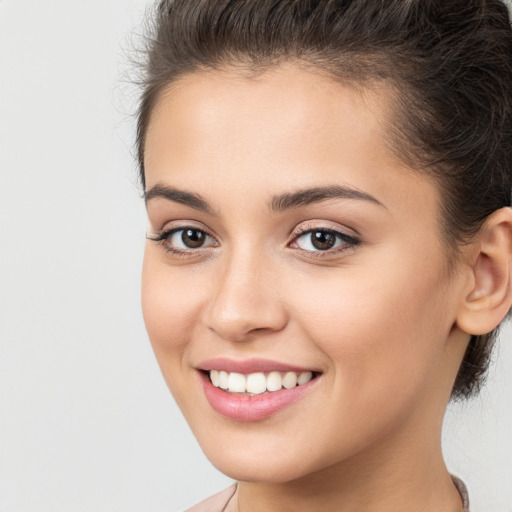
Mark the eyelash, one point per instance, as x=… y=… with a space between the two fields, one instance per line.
x=164 y=236
x=348 y=241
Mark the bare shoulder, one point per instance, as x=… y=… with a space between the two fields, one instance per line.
x=215 y=503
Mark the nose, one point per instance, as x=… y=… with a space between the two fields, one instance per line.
x=245 y=300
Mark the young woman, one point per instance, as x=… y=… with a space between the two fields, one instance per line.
x=329 y=244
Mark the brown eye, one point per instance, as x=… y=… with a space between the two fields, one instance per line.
x=322 y=240
x=185 y=239
x=193 y=238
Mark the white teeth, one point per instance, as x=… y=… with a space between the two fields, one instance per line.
x=257 y=383
x=304 y=377
x=290 y=380
x=274 y=381
x=236 y=383
x=223 y=380
x=214 y=376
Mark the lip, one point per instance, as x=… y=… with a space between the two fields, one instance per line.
x=251 y=366
x=247 y=408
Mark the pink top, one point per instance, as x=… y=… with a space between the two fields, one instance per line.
x=219 y=501
x=215 y=503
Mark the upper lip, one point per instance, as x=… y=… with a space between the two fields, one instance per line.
x=250 y=366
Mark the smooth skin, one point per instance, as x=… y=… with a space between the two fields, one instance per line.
x=382 y=315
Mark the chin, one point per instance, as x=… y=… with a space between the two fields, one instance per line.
x=248 y=470
x=261 y=458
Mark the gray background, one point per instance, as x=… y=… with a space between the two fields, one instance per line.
x=86 y=422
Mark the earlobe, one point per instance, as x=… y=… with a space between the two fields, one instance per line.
x=488 y=296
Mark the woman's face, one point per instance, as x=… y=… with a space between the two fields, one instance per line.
x=289 y=240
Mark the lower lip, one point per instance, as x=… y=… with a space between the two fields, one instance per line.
x=252 y=408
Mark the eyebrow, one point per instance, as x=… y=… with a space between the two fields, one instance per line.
x=178 y=196
x=282 y=202
x=308 y=196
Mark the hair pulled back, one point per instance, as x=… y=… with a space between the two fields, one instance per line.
x=449 y=63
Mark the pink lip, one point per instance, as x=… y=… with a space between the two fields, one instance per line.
x=250 y=366
x=251 y=408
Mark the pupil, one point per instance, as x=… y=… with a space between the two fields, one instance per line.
x=192 y=238
x=322 y=240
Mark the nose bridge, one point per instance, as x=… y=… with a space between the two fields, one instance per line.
x=245 y=296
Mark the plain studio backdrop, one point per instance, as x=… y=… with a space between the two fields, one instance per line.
x=86 y=421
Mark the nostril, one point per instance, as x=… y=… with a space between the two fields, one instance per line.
x=242 y=306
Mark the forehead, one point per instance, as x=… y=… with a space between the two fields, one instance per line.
x=280 y=107
x=289 y=126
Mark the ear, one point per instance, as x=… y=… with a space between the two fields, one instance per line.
x=488 y=294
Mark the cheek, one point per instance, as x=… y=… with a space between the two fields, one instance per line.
x=169 y=302
x=376 y=329
x=384 y=350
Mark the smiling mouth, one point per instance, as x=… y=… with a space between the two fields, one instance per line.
x=258 y=383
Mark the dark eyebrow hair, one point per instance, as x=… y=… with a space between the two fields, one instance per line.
x=179 y=196
x=313 y=195
x=278 y=203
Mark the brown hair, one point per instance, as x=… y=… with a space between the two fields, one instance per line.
x=448 y=61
